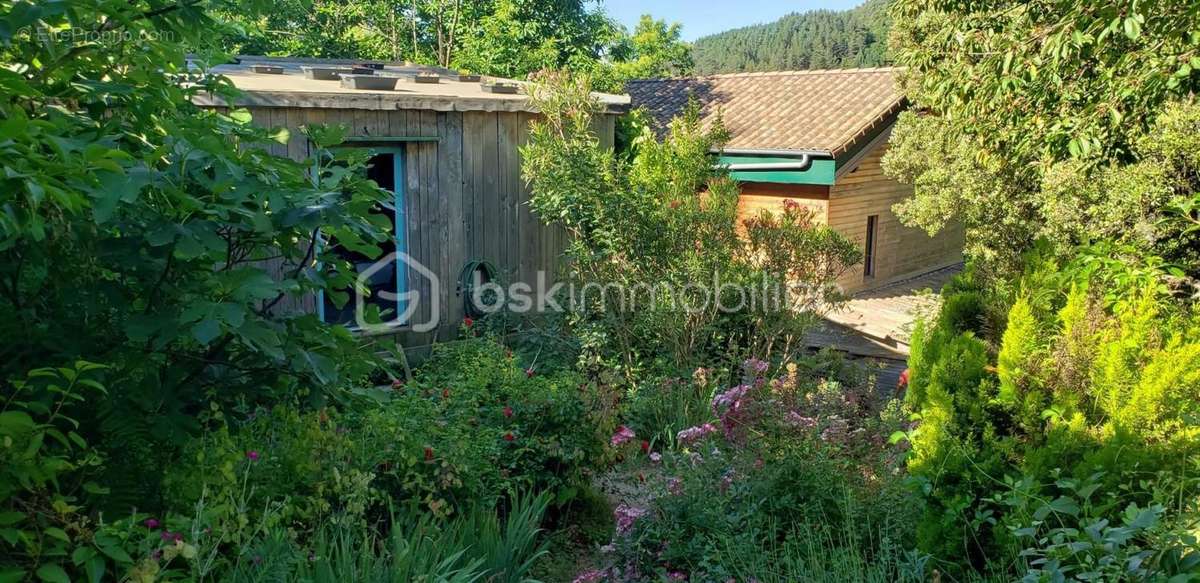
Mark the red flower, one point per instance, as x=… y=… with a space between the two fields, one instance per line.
x=645 y=446
x=529 y=372
x=791 y=205
x=508 y=412
x=468 y=322
x=397 y=385
x=252 y=455
x=428 y=453
x=445 y=393
x=509 y=436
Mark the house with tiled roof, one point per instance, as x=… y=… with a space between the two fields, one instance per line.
x=815 y=137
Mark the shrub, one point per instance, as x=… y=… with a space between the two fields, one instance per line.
x=790 y=456
x=1093 y=378
x=473 y=427
x=658 y=241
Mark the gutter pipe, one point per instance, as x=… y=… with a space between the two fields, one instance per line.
x=803 y=161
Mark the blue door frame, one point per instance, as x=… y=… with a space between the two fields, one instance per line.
x=399 y=227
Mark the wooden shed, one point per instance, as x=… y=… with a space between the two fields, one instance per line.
x=815 y=137
x=448 y=149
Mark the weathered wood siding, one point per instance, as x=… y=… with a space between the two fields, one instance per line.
x=900 y=251
x=464 y=194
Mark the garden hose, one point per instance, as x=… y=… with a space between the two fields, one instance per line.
x=466 y=285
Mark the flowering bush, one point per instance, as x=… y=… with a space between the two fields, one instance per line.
x=777 y=454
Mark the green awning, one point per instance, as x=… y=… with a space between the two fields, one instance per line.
x=820 y=171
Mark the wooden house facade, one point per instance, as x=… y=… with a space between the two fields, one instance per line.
x=816 y=138
x=449 y=151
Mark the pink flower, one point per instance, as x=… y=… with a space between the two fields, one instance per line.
x=592 y=576
x=508 y=412
x=674 y=486
x=692 y=434
x=622 y=435
x=252 y=455
x=625 y=517
x=677 y=576
x=729 y=398
x=151 y=523
x=756 y=366
x=790 y=205
x=797 y=420
x=656 y=457
x=529 y=372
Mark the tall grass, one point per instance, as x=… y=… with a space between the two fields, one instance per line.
x=478 y=545
x=818 y=555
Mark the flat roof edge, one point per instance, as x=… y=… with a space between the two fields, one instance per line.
x=379 y=101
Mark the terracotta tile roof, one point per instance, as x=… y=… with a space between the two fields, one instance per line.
x=787 y=110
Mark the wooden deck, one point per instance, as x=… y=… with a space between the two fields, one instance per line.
x=885 y=316
x=877 y=324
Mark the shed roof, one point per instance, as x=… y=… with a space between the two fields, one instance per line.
x=828 y=111
x=293 y=89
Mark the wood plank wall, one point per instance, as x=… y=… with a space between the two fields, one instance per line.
x=756 y=197
x=901 y=251
x=465 y=197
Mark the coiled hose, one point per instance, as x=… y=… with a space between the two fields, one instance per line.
x=466 y=285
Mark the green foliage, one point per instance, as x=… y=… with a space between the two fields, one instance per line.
x=518 y=37
x=819 y=39
x=658 y=409
x=506 y=38
x=1019 y=353
x=46 y=469
x=819 y=555
x=472 y=427
x=789 y=467
x=479 y=545
x=654 y=49
x=1059 y=138
x=1081 y=385
x=1071 y=537
x=159 y=238
x=662 y=269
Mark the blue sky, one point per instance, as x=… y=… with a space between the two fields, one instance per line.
x=704 y=17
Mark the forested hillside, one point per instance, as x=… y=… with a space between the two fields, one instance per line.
x=821 y=39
